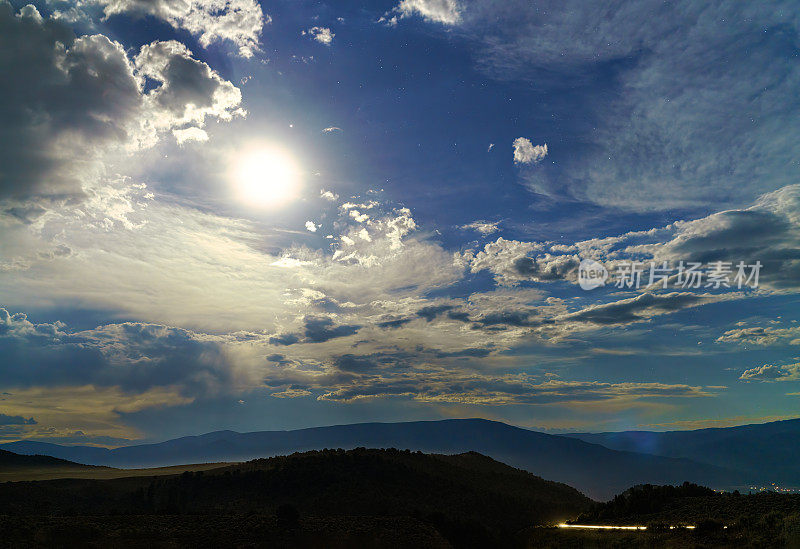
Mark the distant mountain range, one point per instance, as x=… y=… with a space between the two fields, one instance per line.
x=769 y=450
x=596 y=470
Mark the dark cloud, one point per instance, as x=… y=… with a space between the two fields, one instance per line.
x=284 y=339
x=394 y=324
x=768 y=232
x=132 y=356
x=475 y=352
x=547 y=268
x=637 y=308
x=355 y=364
x=430 y=313
x=321 y=329
x=508 y=318
x=16 y=420
x=72 y=99
x=318 y=329
x=56 y=97
x=461 y=316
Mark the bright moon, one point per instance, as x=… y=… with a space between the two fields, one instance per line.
x=266 y=177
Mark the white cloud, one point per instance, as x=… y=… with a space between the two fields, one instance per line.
x=168 y=264
x=237 y=21
x=311 y=226
x=758 y=335
x=483 y=227
x=526 y=153
x=446 y=12
x=771 y=373
x=328 y=195
x=190 y=134
x=358 y=216
x=322 y=35
x=331 y=129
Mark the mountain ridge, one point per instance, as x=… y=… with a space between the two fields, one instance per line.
x=770 y=447
x=596 y=470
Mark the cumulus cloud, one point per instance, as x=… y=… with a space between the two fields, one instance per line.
x=762 y=335
x=768 y=232
x=514 y=261
x=62 y=103
x=190 y=90
x=74 y=100
x=446 y=12
x=323 y=35
x=526 y=153
x=328 y=195
x=236 y=21
x=772 y=373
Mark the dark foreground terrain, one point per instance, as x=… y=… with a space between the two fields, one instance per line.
x=720 y=519
x=376 y=498
x=355 y=498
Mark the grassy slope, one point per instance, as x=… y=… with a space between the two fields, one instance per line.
x=18 y=468
x=88 y=472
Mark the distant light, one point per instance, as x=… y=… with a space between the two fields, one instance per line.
x=614 y=527
x=597 y=527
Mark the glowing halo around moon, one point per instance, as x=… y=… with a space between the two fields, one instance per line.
x=265 y=177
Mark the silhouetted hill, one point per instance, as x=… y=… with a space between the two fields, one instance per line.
x=10 y=460
x=593 y=469
x=470 y=499
x=768 y=449
x=14 y=466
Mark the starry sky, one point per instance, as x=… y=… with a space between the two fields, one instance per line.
x=226 y=214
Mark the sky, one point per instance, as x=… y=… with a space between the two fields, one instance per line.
x=226 y=214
